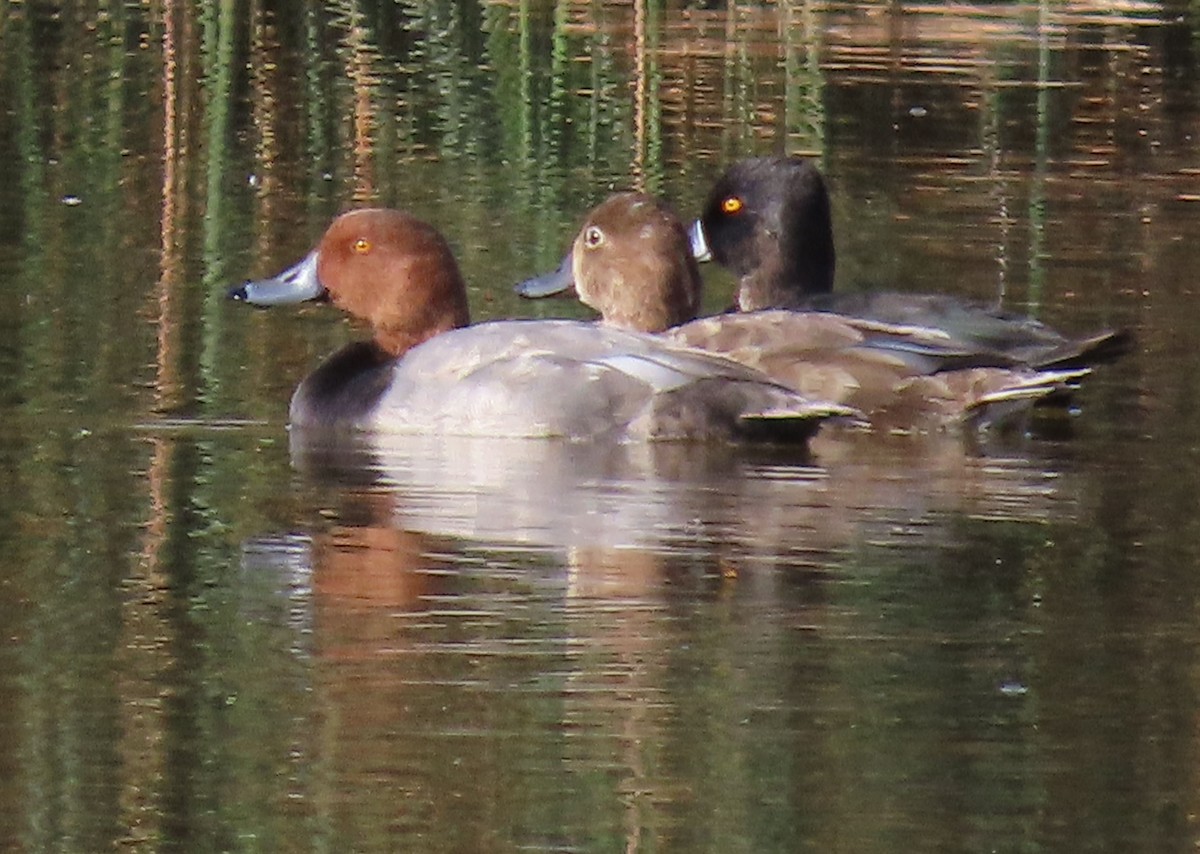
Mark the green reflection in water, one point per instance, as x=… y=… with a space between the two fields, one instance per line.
x=1037 y=200
x=160 y=693
x=217 y=52
x=804 y=112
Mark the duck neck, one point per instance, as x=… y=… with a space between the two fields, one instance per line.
x=652 y=318
x=344 y=388
x=667 y=296
x=785 y=278
x=396 y=336
x=795 y=251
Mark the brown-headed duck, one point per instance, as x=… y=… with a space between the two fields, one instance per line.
x=427 y=371
x=767 y=219
x=631 y=261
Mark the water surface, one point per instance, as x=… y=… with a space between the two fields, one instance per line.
x=214 y=639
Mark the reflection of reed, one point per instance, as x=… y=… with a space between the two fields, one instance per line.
x=803 y=128
x=166 y=385
x=319 y=141
x=265 y=78
x=144 y=651
x=360 y=57
x=639 y=94
x=18 y=55
x=1037 y=195
x=218 y=64
x=647 y=113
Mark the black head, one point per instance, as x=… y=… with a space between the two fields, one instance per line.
x=768 y=220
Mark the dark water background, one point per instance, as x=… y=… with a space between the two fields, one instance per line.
x=212 y=641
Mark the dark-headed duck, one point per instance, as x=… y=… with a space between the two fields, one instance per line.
x=767 y=219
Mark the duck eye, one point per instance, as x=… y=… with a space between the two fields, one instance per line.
x=732 y=205
x=592 y=237
x=362 y=246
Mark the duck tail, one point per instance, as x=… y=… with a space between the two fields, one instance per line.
x=1080 y=353
x=1037 y=388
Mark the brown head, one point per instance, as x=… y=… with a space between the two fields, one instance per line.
x=383 y=266
x=632 y=262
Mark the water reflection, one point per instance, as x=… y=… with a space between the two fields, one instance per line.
x=470 y=633
x=667 y=495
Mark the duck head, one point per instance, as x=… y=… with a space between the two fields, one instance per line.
x=631 y=261
x=768 y=220
x=382 y=266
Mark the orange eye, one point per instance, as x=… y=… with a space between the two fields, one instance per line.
x=592 y=237
x=732 y=205
x=362 y=246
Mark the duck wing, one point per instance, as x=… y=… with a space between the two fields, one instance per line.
x=991 y=333
x=583 y=381
x=902 y=377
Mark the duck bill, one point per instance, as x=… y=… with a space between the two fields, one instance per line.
x=298 y=283
x=559 y=281
x=700 y=250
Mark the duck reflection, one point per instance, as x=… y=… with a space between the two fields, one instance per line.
x=680 y=498
x=415 y=523
x=543 y=493
x=512 y=622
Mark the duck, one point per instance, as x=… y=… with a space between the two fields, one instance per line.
x=767 y=219
x=632 y=262
x=427 y=370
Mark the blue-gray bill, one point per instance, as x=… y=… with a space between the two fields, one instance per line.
x=700 y=250
x=562 y=280
x=298 y=283
x=558 y=281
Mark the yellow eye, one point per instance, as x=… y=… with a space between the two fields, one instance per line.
x=592 y=237
x=732 y=205
x=362 y=246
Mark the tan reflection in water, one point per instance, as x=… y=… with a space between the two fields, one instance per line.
x=644 y=92
x=361 y=57
x=265 y=82
x=167 y=386
x=144 y=652
x=404 y=666
x=448 y=656
x=365 y=574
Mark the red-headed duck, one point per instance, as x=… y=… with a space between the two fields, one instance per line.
x=427 y=371
x=768 y=220
x=631 y=262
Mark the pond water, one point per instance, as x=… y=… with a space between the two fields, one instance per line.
x=212 y=638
